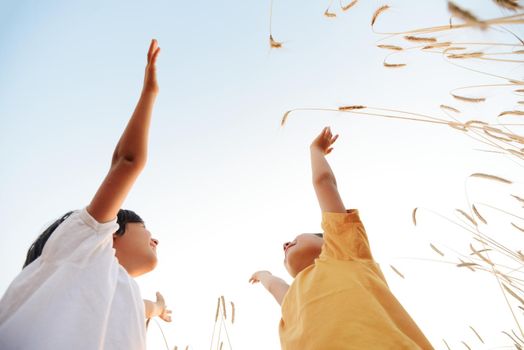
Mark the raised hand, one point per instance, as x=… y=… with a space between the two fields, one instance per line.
x=161 y=309
x=150 y=80
x=258 y=276
x=324 y=141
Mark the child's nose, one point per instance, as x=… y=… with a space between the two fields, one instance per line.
x=286 y=244
x=155 y=241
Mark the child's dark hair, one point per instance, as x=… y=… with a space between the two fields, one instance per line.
x=123 y=217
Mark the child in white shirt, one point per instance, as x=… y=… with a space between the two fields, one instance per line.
x=76 y=290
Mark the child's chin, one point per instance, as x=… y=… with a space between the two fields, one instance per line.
x=150 y=265
x=154 y=262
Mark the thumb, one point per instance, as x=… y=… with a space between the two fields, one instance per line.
x=159 y=297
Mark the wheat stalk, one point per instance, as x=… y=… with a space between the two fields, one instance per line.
x=377 y=13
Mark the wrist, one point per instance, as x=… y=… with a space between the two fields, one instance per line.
x=265 y=275
x=316 y=149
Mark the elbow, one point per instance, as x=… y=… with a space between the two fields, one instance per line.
x=130 y=162
x=323 y=179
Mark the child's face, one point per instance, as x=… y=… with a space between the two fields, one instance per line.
x=301 y=252
x=136 y=249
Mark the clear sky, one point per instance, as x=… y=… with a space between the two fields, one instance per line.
x=225 y=185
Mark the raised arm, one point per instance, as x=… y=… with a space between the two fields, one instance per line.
x=274 y=285
x=130 y=155
x=324 y=180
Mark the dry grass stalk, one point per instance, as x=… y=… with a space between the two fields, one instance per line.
x=377 y=13
x=477 y=253
x=515 y=153
x=518 y=338
x=187 y=347
x=513 y=294
x=521 y=200
x=481 y=251
x=218 y=310
x=436 y=249
x=469 y=265
x=414 y=216
x=480 y=240
x=478 y=215
x=445 y=343
x=350 y=108
x=517 y=227
x=394 y=65
x=493 y=129
x=474 y=123
x=517 y=138
x=329 y=14
x=348 y=6
x=449 y=108
x=517 y=346
x=391 y=47
x=221 y=345
x=466 y=55
x=458 y=126
x=284 y=118
x=437 y=45
x=466 y=345
x=520 y=102
x=491 y=133
x=511 y=113
x=491 y=177
x=273 y=43
x=455 y=48
x=519 y=90
x=223 y=306
x=467 y=216
x=521 y=255
x=466 y=16
x=397 y=271
x=420 y=39
x=469 y=99
x=232 y=312
x=512 y=5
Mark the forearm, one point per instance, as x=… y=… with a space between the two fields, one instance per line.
x=276 y=286
x=320 y=168
x=325 y=184
x=132 y=146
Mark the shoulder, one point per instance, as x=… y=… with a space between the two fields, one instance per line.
x=88 y=220
x=335 y=221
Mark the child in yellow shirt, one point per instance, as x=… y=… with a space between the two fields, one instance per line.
x=339 y=298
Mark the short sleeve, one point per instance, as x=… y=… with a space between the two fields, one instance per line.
x=345 y=237
x=79 y=238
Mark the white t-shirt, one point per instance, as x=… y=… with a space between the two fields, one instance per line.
x=75 y=295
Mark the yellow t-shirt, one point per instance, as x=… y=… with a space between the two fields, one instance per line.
x=342 y=301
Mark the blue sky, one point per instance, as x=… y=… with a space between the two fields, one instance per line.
x=225 y=185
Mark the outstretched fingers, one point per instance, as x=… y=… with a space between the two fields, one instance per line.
x=333 y=139
x=328 y=139
x=253 y=280
x=166 y=316
x=160 y=299
x=153 y=48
